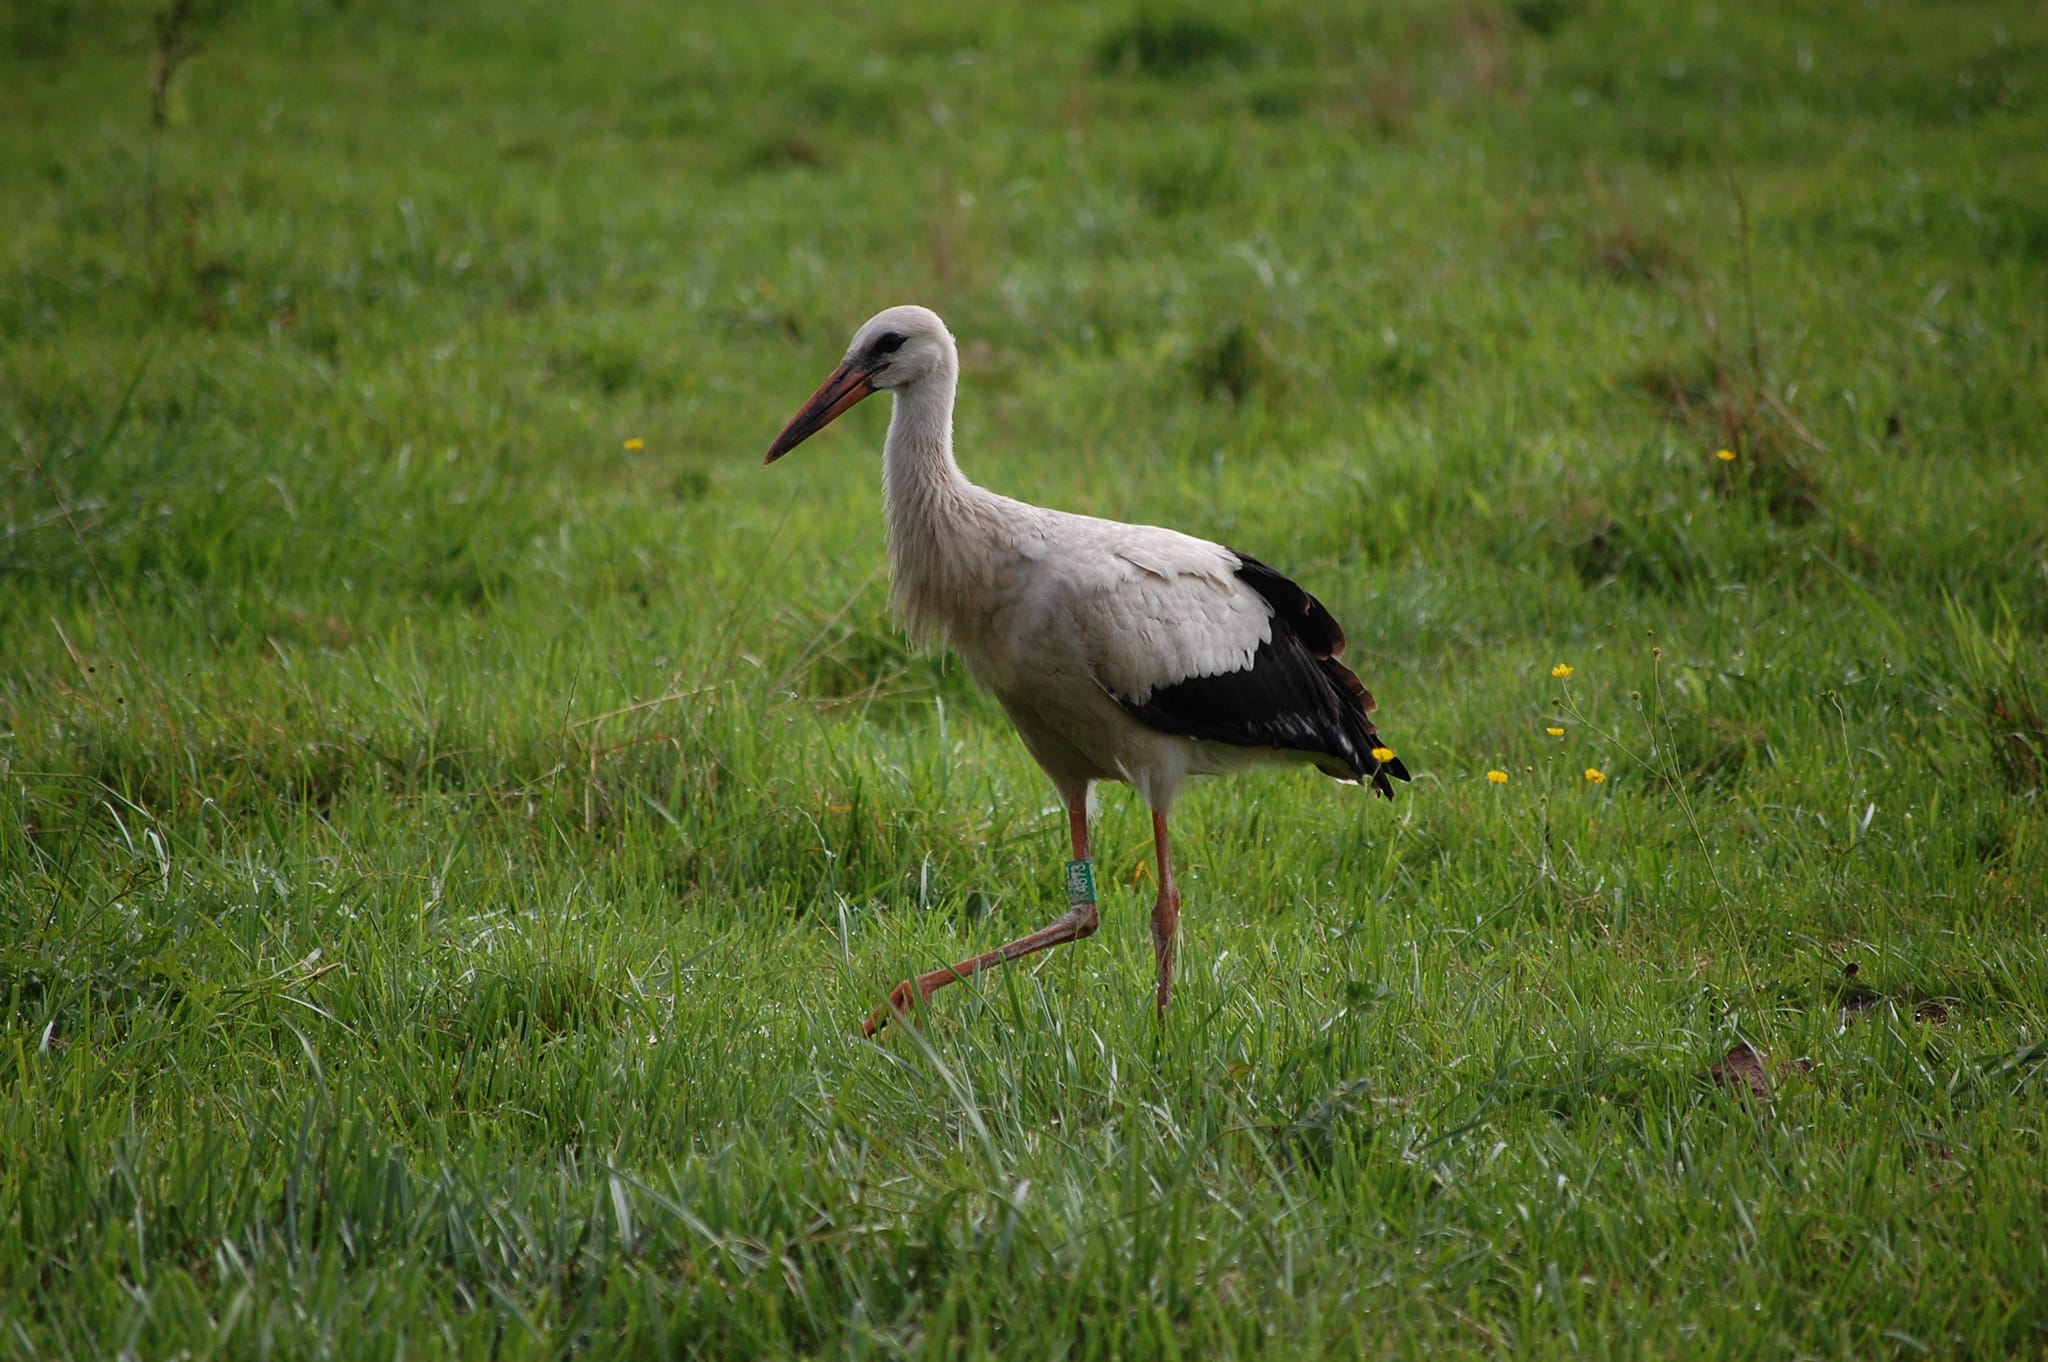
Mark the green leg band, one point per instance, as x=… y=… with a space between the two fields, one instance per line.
x=1080 y=882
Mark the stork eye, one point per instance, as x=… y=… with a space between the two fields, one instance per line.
x=888 y=345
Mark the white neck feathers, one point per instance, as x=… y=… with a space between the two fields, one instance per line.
x=935 y=535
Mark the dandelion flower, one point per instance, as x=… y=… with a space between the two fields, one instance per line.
x=1554 y=731
x=1725 y=455
x=1595 y=774
x=636 y=443
x=1383 y=755
x=1561 y=670
x=1497 y=777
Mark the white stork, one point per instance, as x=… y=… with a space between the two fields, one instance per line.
x=1120 y=652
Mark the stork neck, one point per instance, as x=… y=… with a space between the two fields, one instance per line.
x=918 y=470
x=936 y=536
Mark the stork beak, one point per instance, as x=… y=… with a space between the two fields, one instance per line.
x=846 y=386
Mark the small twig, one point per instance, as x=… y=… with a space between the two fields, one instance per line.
x=173 y=45
x=1756 y=345
x=647 y=704
x=596 y=754
x=814 y=649
x=1674 y=777
x=1805 y=436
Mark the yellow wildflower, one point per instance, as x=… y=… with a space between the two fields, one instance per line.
x=1561 y=671
x=1497 y=777
x=636 y=443
x=1554 y=731
x=1595 y=774
x=1725 y=455
x=1383 y=755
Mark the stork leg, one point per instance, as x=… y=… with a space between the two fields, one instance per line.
x=1165 y=912
x=1079 y=921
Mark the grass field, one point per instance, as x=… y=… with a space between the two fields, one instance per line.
x=456 y=805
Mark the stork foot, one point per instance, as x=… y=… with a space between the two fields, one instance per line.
x=1079 y=922
x=902 y=998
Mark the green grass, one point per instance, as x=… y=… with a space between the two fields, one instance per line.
x=445 y=853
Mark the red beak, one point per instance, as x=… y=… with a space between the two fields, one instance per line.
x=846 y=386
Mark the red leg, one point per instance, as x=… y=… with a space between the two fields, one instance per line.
x=1077 y=823
x=1165 y=913
x=1078 y=921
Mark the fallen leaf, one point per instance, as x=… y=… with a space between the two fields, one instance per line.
x=1853 y=998
x=1742 y=1067
x=1801 y=1065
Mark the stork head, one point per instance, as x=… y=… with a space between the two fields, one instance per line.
x=894 y=350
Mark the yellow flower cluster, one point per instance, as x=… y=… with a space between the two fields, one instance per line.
x=1593 y=774
x=636 y=443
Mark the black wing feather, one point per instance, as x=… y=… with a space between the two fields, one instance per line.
x=1295 y=695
